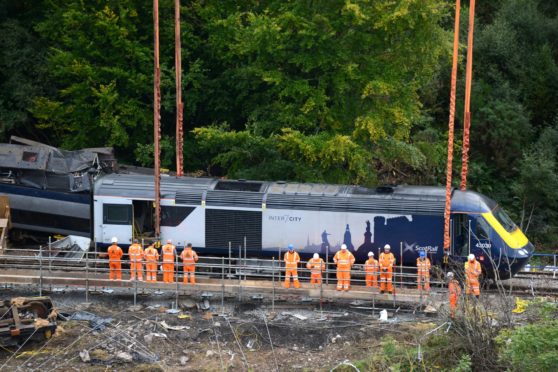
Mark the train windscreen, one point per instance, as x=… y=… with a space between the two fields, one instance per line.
x=504 y=219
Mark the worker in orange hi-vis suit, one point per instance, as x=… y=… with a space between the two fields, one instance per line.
x=423 y=272
x=454 y=290
x=168 y=252
x=291 y=259
x=151 y=260
x=473 y=271
x=344 y=260
x=135 y=254
x=115 y=264
x=386 y=262
x=189 y=258
x=316 y=266
x=371 y=270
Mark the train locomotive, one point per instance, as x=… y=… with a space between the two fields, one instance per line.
x=215 y=214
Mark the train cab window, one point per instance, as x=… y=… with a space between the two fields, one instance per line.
x=504 y=219
x=117 y=214
x=29 y=156
x=482 y=229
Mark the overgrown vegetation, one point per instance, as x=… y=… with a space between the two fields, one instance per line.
x=329 y=91
x=478 y=339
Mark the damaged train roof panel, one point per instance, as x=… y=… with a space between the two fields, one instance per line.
x=37 y=165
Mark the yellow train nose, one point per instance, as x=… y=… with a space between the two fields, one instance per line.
x=515 y=239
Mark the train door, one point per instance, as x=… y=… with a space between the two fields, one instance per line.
x=117 y=222
x=143 y=218
x=461 y=236
x=481 y=244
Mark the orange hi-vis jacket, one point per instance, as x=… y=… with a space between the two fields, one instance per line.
x=291 y=260
x=114 y=253
x=423 y=266
x=454 y=290
x=151 y=254
x=387 y=260
x=473 y=271
x=189 y=256
x=316 y=265
x=344 y=260
x=371 y=265
x=168 y=251
x=135 y=253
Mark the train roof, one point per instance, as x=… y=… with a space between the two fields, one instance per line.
x=291 y=195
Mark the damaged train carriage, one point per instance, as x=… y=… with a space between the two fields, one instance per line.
x=49 y=188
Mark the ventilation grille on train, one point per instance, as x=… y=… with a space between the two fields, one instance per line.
x=224 y=226
x=234 y=199
x=350 y=204
x=189 y=197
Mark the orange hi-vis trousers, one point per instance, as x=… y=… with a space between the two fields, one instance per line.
x=136 y=267
x=115 y=268
x=343 y=278
x=294 y=274
x=386 y=275
x=473 y=286
x=315 y=278
x=423 y=278
x=168 y=272
x=151 y=271
x=190 y=269
x=371 y=279
x=453 y=305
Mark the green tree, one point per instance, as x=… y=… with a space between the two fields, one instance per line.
x=101 y=71
x=331 y=87
x=22 y=67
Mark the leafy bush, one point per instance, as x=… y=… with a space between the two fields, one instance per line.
x=533 y=347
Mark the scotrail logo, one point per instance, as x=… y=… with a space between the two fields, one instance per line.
x=284 y=218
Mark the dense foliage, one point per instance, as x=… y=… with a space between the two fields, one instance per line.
x=328 y=91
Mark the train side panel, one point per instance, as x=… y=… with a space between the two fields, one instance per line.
x=324 y=232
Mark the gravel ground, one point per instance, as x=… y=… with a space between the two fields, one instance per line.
x=247 y=336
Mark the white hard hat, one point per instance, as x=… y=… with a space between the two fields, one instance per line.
x=114 y=240
x=344 y=246
x=449 y=274
x=370 y=254
x=169 y=241
x=387 y=246
x=316 y=255
x=471 y=257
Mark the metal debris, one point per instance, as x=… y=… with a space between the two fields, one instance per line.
x=173 y=328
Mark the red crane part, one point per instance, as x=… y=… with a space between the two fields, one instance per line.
x=468 y=83
x=179 y=105
x=447 y=210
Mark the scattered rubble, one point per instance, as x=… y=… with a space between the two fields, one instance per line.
x=84 y=355
x=113 y=334
x=125 y=357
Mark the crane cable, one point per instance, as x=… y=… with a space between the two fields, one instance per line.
x=447 y=209
x=468 y=83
